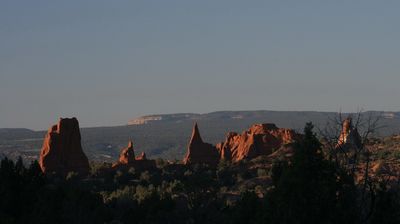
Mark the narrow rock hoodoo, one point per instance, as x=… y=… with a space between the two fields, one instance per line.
x=127 y=155
x=349 y=137
x=62 y=150
x=260 y=139
x=199 y=151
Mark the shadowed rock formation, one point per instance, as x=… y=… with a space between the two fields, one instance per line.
x=200 y=152
x=349 y=137
x=127 y=159
x=260 y=139
x=62 y=150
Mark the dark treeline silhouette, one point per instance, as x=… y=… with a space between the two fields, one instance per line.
x=307 y=188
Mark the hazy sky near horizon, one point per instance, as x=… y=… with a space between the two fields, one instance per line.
x=106 y=62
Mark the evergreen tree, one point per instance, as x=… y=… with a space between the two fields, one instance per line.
x=310 y=189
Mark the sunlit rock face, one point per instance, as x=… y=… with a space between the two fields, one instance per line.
x=142 y=156
x=62 y=150
x=349 y=136
x=199 y=152
x=260 y=139
x=127 y=155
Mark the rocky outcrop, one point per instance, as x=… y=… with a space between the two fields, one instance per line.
x=260 y=139
x=142 y=156
x=127 y=155
x=62 y=150
x=349 y=136
x=127 y=159
x=199 y=152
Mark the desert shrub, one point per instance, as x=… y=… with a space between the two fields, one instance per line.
x=396 y=154
x=72 y=176
x=145 y=177
x=225 y=175
x=160 y=163
x=262 y=172
x=124 y=194
x=383 y=154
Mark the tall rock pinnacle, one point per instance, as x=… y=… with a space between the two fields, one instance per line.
x=199 y=151
x=349 y=136
x=196 y=138
x=127 y=155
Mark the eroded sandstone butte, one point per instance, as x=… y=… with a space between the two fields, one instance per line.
x=62 y=150
x=199 y=152
x=260 y=139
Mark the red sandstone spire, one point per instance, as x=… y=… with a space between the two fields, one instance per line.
x=196 y=138
x=349 y=136
x=199 y=151
x=127 y=155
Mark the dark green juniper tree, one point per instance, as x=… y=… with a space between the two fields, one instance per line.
x=310 y=189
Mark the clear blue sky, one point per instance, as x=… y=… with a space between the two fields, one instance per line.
x=106 y=62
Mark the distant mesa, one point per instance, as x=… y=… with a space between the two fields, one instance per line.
x=182 y=117
x=62 y=150
x=260 y=139
x=349 y=136
x=127 y=159
x=144 y=120
x=389 y=115
x=199 y=151
x=164 y=117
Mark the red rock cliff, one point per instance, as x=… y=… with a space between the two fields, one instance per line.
x=62 y=150
x=260 y=139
